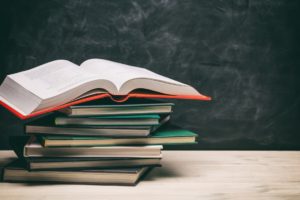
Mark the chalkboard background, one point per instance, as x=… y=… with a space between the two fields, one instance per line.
x=245 y=54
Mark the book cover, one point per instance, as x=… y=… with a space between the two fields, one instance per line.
x=168 y=135
x=16 y=172
x=29 y=93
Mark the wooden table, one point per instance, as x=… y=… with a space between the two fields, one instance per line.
x=186 y=175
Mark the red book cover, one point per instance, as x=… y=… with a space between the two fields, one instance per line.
x=106 y=95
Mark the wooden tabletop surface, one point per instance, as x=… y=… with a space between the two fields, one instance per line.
x=186 y=175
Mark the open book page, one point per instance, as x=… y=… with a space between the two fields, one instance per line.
x=52 y=78
x=119 y=73
x=58 y=82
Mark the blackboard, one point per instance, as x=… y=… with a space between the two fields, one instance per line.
x=245 y=54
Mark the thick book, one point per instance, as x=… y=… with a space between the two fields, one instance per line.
x=130 y=107
x=49 y=163
x=169 y=135
x=46 y=126
x=88 y=163
x=34 y=149
x=61 y=83
x=17 y=172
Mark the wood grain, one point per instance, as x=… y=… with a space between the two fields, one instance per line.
x=187 y=175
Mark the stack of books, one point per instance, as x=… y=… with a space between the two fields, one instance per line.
x=103 y=143
x=89 y=141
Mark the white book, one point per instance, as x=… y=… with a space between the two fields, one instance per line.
x=61 y=81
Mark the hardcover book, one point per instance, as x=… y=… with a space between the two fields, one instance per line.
x=61 y=83
x=50 y=163
x=46 y=126
x=169 y=135
x=106 y=107
x=17 y=172
x=114 y=120
x=89 y=163
x=34 y=149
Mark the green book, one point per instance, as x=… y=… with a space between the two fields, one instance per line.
x=163 y=136
x=130 y=107
x=112 y=120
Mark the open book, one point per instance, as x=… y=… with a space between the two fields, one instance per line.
x=61 y=83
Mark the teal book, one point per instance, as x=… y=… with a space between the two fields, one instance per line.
x=131 y=107
x=46 y=126
x=164 y=136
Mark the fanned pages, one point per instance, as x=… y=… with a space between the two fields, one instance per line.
x=59 y=82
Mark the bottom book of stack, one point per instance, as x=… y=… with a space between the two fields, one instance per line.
x=17 y=172
x=113 y=165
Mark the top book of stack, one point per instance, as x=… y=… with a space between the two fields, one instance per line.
x=60 y=84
